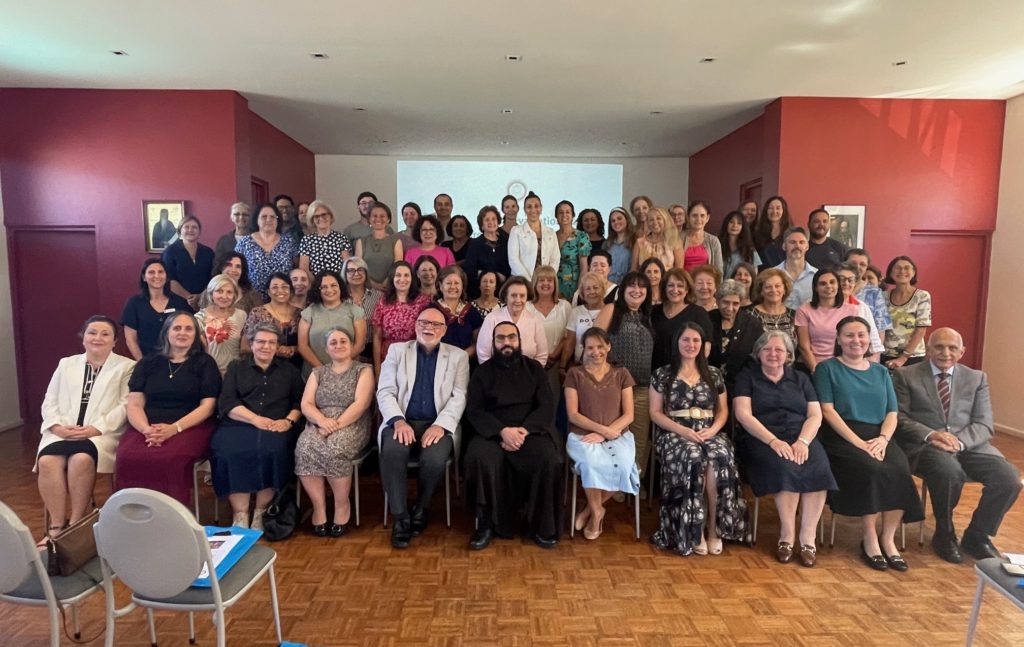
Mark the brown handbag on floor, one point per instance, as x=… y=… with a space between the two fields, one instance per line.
x=74 y=547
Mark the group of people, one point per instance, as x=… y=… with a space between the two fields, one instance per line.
x=802 y=375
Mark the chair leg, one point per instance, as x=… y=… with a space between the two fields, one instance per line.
x=195 y=489
x=273 y=603
x=650 y=479
x=385 y=510
x=447 y=496
x=54 y=624
x=572 y=509
x=903 y=536
x=355 y=478
x=832 y=537
x=458 y=493
x=219 y=621
x=191 y=628
x=924 y=505
x=757 y=514
x=74 y=622
x=972 y=624
x=821 y=528
x=636 y=513
x=152 y=627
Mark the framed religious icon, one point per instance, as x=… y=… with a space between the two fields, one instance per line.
x=847 y=224
x=161 y=218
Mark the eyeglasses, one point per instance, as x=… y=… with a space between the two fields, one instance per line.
x=366 y=202
x=267 y=216
x=847 y=279
x=355 y=270
x=430 y=325
x=317 y=216
x=508 y=337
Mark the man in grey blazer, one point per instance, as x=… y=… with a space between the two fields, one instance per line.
x=421 y=394
x=945 y=429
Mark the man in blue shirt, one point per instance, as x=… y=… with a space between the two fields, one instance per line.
x=421 y=394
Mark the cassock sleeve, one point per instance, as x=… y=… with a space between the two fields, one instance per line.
x=485 y=423
x=542 y=418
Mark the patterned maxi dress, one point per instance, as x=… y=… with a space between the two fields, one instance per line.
x=684 y=465
x=332 y=456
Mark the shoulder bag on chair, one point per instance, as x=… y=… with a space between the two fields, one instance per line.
x=74 y=547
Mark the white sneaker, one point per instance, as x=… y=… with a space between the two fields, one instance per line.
x=241 y=520
x=257 y=518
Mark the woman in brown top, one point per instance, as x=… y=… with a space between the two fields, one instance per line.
x=599 y=401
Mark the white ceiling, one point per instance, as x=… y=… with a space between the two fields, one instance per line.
x=433 y=80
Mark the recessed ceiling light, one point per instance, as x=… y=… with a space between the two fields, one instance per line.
x=505 y=142
x=506 y=111
x=624 y=143
x=384 y=141
x=514 y=58
x=899 y=63
x=359 y=109
x=319 y=55
x=655 y=112
x=707 y=59
x=118 y=52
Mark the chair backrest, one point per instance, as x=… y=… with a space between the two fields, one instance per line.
x=17 y=550
x=151 y=542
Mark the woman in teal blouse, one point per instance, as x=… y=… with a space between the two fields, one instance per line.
x=859 y=406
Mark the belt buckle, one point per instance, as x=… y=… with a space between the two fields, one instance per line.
x=696 y=413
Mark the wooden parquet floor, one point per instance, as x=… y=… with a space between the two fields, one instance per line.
x=614 y=592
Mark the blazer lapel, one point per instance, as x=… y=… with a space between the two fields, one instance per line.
x=410 y=373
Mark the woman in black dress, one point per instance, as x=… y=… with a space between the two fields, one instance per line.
x=251 y=451
x=144 y=314
x=733 y=331
x=172 y=396
x=488 y=252
x=777 y=444
x=670 y=315
x=701 y=503
x=859 y=405
x=189 y=263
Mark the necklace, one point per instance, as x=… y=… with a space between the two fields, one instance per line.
x=171 y=370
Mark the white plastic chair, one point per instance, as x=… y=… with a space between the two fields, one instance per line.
x=155 y=546
x=23 y=578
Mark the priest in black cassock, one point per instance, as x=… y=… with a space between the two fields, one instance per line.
x=514 y=460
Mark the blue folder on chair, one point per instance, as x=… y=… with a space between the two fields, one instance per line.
x=248 y=538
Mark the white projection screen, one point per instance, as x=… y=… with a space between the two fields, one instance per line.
x=475 y=184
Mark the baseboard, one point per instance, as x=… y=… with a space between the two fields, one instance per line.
x=1010 y=431
x=11 y=424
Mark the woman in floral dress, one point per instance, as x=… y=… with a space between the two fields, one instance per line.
x=221 y=322
x=688 y=405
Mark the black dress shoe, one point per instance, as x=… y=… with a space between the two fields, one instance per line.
x=338 y=529
x=418 y=520
x=946 y=547
x=545 y=542
x=401 y=533
x=896 y=562
x=319 y=529
x=978 y=545
x=481 y=538
x=877 y=562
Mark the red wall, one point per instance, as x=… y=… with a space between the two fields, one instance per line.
x=716 y=172
x=914 y=163
x=287 y=166
x=926 y=171
x=86 y=159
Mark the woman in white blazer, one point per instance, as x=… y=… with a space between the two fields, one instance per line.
x=523 y=241
x=83 y=419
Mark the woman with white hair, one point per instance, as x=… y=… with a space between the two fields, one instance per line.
x=323 y=248
x=777 y=444
x=221 y=323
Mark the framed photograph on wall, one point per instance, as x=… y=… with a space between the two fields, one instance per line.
x=161 y=218
x=847 y=224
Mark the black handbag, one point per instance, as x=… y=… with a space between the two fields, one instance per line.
x=281 y=516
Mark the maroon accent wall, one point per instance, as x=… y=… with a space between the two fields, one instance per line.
x=718 y=171
x=275 y=157
x=920 y=167
x=88 y=158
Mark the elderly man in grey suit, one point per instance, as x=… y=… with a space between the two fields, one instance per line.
x=421 y=394
x=945 y=428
